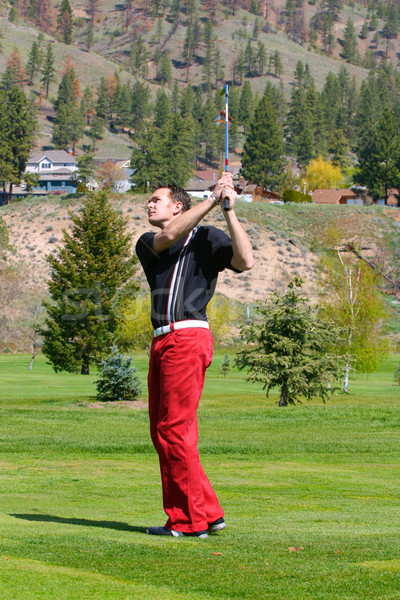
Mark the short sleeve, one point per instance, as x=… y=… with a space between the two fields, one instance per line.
x=144 y=250
x=222 y=252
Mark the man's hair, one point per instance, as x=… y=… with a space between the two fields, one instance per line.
x=178 y=194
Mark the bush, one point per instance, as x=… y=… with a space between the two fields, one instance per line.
x=118 y=378
x=295 y=196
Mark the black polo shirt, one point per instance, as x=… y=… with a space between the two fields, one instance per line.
x=182 y=278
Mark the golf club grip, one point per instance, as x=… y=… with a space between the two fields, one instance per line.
x=226 y=203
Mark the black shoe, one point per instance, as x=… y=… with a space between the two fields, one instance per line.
x=163 y=531
x=217 y=525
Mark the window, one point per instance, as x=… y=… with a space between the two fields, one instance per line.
x=46 y=166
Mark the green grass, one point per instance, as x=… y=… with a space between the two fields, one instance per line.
x=79 y=485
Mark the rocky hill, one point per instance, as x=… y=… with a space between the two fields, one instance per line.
x=118 y=29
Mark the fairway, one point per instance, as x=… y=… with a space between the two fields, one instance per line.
x=311 y=493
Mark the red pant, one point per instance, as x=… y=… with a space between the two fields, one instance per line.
x=178 y=362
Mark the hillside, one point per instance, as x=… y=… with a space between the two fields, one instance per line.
x=118 y=30
x=287 y=239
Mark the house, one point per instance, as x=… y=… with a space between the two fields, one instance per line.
x=54 y=168
x=393 y=197
x=338 y=196
x=261 y=194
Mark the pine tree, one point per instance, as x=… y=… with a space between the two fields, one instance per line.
x=289 y=347
x=263 y=159
x=17 y=129
x=48 y=70
x=118 y=378
x=174 y=147
x=246 y=106
x=378 y=154
x=65 y=22
x=349 y=51
x=15 y=72
x=34 y=62
x=91 y=275
x=162 y=109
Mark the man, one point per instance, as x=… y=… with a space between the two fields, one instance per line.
x=181 y=262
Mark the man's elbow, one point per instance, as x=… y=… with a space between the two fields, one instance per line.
x=243 y=264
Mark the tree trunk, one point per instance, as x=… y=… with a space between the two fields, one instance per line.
x=10 y=193
x=33 y=354
x=284 y=394
x=346 y=378
x=85 y=366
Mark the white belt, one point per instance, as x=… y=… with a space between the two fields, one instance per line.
x=180 y=325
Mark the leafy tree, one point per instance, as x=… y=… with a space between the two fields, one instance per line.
x=134 y=329
x=289 y=347
x=17 y=129
x=353 y=300
x=118 y=378
x=89 y=278
x=263 y=159
x=65 y=22
x=323 y=174
x=110 y=175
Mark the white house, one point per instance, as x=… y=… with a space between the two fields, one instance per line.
x=51 y=161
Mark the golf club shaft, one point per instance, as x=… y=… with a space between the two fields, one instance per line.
x=226 y=200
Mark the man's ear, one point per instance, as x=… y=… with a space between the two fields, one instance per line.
x=178 y=206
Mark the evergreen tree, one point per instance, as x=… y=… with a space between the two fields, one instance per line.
x=34 y=62
x=86 y=168
x=289 y=347
x=48 y=70
x=65 y=22
x=164 y=74
x=263 y=159
x=300 y=128
x=246 y=106
x=174 y=148
x=17 y=129
x=349 y=51
x=209 y=132
x=162 y=109
x=118 y=379
x=144 y=160
x=378 y=154
x=89 y=278
x=140 y=107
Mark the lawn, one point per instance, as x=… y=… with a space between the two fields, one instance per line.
x=311 y=493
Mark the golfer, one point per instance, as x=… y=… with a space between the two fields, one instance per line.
x=181 y=262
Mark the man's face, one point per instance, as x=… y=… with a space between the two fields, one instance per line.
x=161 y=209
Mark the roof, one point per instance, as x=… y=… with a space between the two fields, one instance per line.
x=55 y=156
x=206 y=175
x=199 y=186
x=338 y=196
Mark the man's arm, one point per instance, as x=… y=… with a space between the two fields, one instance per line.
x=242 y=259
x=182 y=225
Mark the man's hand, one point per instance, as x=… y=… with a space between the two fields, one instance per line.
x=224 y=184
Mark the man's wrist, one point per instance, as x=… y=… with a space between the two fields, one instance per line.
x=213 y=200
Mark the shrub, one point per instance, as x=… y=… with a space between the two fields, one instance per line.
x=118 y=378
x=295 y=196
